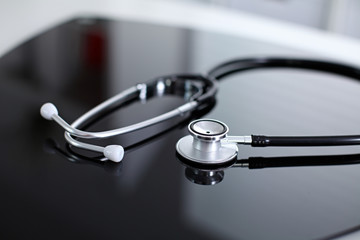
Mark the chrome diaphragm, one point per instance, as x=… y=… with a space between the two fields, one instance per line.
x=204 y=145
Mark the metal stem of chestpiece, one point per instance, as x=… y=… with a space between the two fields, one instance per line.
x=205 y=145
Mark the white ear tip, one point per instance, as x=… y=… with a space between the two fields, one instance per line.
x=114 y=153
x=48 y=110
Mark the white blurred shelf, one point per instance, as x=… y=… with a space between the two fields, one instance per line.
x=21 y=20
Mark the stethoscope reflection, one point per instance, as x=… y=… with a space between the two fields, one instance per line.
x=52 y=147
x=211 y=175
x=206 y=174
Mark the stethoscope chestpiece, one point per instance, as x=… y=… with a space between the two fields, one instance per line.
x=204 y=145
x=208 y=130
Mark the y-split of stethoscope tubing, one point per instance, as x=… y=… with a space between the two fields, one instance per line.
x=231 y=67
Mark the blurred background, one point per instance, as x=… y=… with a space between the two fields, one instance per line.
x=339 y=16
x=325 y=27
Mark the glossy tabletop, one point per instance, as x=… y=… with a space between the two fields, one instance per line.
x=51 y=191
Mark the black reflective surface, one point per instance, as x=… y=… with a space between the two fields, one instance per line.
x=50 y=191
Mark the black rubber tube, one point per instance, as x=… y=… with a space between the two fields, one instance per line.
x=231 y=67
x=264 y=141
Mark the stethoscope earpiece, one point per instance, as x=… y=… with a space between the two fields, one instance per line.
x=114 y=153
x=48 y=110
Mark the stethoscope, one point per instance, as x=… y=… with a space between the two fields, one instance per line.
x=208 y=143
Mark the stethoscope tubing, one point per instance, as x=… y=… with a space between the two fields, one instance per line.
x=239 y=65
x=235 y=66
